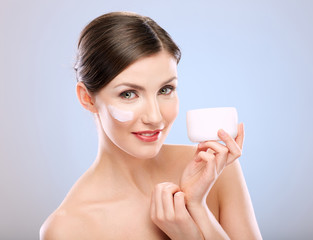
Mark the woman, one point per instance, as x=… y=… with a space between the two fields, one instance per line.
x=138 y=187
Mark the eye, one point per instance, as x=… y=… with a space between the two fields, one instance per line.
x=128 y=95
x=166 y=90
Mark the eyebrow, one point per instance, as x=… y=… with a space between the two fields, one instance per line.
x=135 y=86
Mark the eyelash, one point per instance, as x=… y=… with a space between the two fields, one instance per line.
x=122 y=95
x=170 y=87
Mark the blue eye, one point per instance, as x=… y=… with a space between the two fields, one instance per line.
x=128 y=95
x=166 y=90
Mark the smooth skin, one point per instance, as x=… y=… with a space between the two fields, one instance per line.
x=173 y=217
x=140 y=190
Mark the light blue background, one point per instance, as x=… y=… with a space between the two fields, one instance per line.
x=254 y=55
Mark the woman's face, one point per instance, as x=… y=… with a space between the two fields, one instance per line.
x=139 y=106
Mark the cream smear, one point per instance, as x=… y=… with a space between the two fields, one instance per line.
x=120 y=115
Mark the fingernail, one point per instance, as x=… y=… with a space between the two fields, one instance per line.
x=222 y=133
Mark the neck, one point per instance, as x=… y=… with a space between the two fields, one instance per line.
x=122 y=169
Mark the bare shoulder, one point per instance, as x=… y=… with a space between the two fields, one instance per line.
x=63 y=224
x=78 y=215
x=182 y=152
x=69 y=220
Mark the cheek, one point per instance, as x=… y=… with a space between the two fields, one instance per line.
x=115 y=118
x=170 y=109
x=120 y=115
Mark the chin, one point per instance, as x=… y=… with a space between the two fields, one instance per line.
x=147 y=152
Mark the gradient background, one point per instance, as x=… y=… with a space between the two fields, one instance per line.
x=254 y=55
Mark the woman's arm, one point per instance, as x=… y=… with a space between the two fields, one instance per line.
x=203 y=217
x=207 y=169
x=236 y=214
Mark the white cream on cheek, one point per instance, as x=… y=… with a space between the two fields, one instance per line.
x=120 y=115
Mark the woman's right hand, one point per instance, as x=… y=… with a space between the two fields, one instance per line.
x=209 y=161
x=168 y=211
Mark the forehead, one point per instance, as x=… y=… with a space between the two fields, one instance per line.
x=152 y=69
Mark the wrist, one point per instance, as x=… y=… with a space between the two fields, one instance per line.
x=206 y=221
x=196 y=205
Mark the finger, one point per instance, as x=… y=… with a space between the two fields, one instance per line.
x=205 y=156
x=210 y=150
x=210 y=167
x=180 y=205
x=240 y=136
x=221 y=154
x=159 y=213
x=220 y=151
x=234 y=149
x=203 y=146
x=168 y=201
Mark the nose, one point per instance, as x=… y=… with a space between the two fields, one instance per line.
x=152 y=114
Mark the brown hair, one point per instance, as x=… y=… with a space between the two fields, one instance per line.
x=113 y=41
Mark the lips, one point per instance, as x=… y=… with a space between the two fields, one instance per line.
x=148 y=136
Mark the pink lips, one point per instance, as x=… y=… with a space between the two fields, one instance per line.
x=148 y=136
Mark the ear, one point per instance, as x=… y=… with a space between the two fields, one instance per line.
x=85 y=99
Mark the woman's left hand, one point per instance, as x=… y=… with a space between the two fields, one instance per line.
x=209 y=161
x=169 y=213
